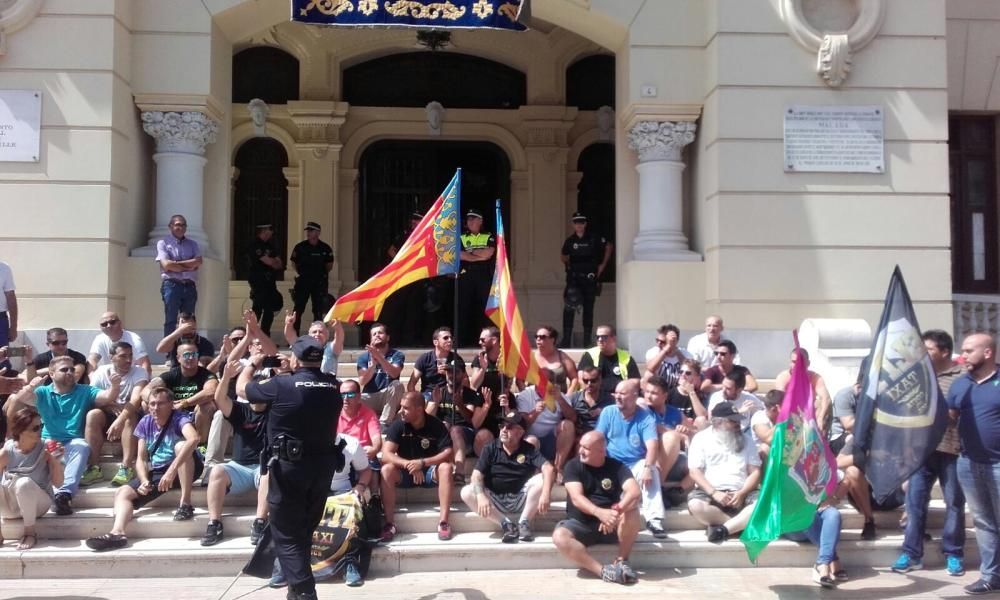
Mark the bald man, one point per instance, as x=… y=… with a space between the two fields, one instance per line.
x=112 y=332
x=974 y=399
x=702 y=346
x=602 y=508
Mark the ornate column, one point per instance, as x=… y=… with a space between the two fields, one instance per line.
x=181 y=138
x=661 y=236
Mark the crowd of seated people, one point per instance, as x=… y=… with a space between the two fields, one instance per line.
x=686 y=431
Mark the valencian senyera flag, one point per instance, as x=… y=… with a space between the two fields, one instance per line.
x=517 y=360
x=431 y=250
x=800 y=472
x=438 y=14
x=901 y=414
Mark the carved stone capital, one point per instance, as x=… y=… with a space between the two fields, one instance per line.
x=660 y=140
x=182 y=132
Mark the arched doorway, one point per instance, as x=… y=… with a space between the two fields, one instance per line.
x=260 y=196
x=400 y=176
x=596 y=197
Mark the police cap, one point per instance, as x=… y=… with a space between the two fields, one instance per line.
x=473 y=214
x=308 y=349
x=313 y=225
x=579 y=217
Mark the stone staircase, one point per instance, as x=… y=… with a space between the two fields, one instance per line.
x=170 y=549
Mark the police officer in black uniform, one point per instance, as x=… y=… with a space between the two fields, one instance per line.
x=265 y=264
x=585 y=255
x=313 y=260
x=304 y=408
x=477 y=268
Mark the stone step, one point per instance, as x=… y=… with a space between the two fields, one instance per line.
x=149 y=523
x=102 y=495
x=181 y=557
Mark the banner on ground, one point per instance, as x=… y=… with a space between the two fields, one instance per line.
x=901 y=414
x=437 y=14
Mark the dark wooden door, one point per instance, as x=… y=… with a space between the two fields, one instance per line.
x=973 y=205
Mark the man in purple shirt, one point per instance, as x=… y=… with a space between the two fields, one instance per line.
x=179 y=259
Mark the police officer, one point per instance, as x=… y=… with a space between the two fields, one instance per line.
x=304 y=408
x=585 y=255
x=313 y=260
x=478 y=258
x=265 y=264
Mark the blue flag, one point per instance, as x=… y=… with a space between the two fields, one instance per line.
x=901 y=414
x=439 y=14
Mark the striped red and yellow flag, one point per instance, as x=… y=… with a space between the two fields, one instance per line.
x=517 y=360
x=431 y=250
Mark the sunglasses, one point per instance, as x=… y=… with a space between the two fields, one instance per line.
x=445 y=337
x=507 y=426
x=589 y=381
x=481 y=340
x=687 y=372
x=36 y=428
x=65 y=369
x=189 y=355
x=602 y=337
x=58 y=342
x=542 y=336
x=346 y=395
x=109 y=322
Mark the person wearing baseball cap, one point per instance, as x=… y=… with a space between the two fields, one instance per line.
x=725 y=466
x=265 y=265
x=313 y=259
x=586 y=256
x=477 y=267
x=512 y=481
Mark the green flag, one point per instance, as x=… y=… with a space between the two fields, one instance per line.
x=801 y=471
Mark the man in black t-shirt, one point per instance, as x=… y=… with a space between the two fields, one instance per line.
x=313 y=260
x=57 y=339
x=193 y=387
x=429 y=367
x=589 y=402
x=463 y=418
x=585 y=255
x=186 y=332
x=602 y=506
x=242 y=474
x=507 y=481
x=417 y=452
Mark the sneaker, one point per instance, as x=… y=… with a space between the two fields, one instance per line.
x=444 y=531
x=656 y=528
x=954 y=566
x=388 y=532
x=612 y=573
x=510 y=532
x=980 y=587
x=203 y=449
x=92 y=475
x=628 y=575
x=108 y=541
x=213 y=533
x=717 y=533
x=257 y=530
x=185 y=512
x=868 y=532
x=352 y=577
x=524 y=528
x=123 y=476
x=278 y=579
x=905 y=563
x=63 y=504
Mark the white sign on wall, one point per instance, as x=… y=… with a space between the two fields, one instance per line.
x=20 y=125
x=834 y=139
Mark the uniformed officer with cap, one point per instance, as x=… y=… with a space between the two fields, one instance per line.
x=265 y=264
x=586 y=256
x=313 y=260
x=477 y=267
x=304 y=408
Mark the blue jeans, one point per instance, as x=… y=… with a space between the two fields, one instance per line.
x=75 y=463
x=943 y=467
x=4 y=329
x=177 y=298
x=824 y=532
x=981 y=484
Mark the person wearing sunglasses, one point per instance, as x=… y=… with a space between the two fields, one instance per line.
x=665 y=358
x=548 y=356
x=57 y=340
x=186 y=332
x=616 y=364
x=64 y=405
x=193 y=388
x=426 y=368
x=29 y=472
x=112 y=332
x=725 y=354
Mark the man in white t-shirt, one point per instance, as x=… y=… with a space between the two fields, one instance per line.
x=762 y=422
x=112 y=332
x=725 y=466
x=744 y=403
x=702 y=346
x=8 y=306
x=665 y=358
x=550 y=422
x=116 y=421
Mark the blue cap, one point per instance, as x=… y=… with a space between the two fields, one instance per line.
x=308 y=349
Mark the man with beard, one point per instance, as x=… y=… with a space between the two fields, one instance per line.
x=725 y=466
x=666 y=357
x=732 y=392
x=332 y=348
x=507 y=482
x=379 y=367
x=425 y=369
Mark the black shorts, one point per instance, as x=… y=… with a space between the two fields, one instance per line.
x=588 y=533
x=156 y=475
x=838 y=444
x=894 y=501
x=700 y=494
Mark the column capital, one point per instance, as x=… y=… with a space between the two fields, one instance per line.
x=185 y=132
x=660 y=140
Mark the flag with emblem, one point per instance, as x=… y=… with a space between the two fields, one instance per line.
x=800 y=472
x=432 y=249
x=517 y=360
x=901 y=415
